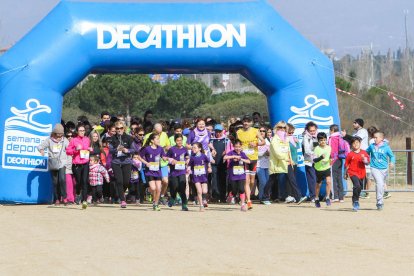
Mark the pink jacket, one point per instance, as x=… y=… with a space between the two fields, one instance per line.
x=71 y=149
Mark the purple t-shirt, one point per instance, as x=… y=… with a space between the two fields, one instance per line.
x=236 y=168
x=199 y=165
x=178 y=154
x=202 y=137
x=153 y=156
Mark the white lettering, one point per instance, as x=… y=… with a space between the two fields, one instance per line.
x=170 y=36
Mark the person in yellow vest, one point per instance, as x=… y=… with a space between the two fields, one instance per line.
x=165 y=144
x=251 y=139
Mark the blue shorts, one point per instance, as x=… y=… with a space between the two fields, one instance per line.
x=164 y=171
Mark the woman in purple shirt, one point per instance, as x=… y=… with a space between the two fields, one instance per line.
x=200 y=167
x=236 y=171
x=201 y=135
x=151 y=155
x=178 y=155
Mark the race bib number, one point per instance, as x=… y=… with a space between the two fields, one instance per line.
x=84 y=154
x=154 y=166
x=199 y=170
x=134 y=175
x=238 y=170
x=56 y=148
x=179 y=165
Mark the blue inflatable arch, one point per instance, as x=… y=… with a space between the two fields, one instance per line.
x=78 y=38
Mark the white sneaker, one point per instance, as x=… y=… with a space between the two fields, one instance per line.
x=290 y=199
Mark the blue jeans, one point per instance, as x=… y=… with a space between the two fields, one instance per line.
x=263 y=175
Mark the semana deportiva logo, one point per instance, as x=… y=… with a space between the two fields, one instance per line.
x=308 y=113
x=170 y=36
x=22 y=135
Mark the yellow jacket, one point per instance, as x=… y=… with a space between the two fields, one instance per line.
x=279 y=155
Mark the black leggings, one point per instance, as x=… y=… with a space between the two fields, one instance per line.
x=81 y=173
x=357 y=187
x=292 y=186
x=178 y=184
x=59 y=183
x=122 y=175
x=96 y=192
x=237 y=186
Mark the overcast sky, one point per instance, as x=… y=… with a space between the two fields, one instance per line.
x=343 y=25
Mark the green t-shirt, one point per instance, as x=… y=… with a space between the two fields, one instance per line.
x=325 y=163
x=172 y=142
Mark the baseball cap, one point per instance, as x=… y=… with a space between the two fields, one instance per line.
x=218 y=127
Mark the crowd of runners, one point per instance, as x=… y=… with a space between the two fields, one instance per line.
x=202 y=161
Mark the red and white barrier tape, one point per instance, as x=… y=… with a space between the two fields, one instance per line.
x=400 y=104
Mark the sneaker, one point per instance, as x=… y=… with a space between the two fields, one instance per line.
x=89 y=200
x=84 y=205
x=205 y=204
x=312 y=200
x=229 y=198
x=249 y=205
x=178 y=200
x=243 y=208
x=302 y=199
x=77 y=199
x=335 y=200
x=163 y=200
x=328 y=202
x=201 y=208
x=57 y=203
x=364 y=195
x=149 y=198
x=380 y=207
x=123 y=204
x=157 y=208
x=171 y=202
x=386 y=195
x=232 y=201
x=266 y=202
x=290 y=199
x=317 y=204
x=355 y=206
x=184 y=208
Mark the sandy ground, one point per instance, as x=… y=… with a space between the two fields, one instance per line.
x=268 y=240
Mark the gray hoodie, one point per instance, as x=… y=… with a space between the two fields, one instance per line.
x=55 y=149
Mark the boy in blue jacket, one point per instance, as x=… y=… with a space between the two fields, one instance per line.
x=381 y=156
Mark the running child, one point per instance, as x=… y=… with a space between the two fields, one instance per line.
x=134 y=187
x=178 y=155
x=236 y=172
x=355 y=163
x=97 y=174
x=200 y=166
x=381 y=157
x=151 y=155
x=322 y=164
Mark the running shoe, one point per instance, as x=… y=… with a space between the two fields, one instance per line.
x=243 y=208
x=84 y=205
x=249 y=205
x=123 y=204
x=149 y=198
x=157 y=208
x=89 y=199
x=317 y=203
x=328 y=202
x=178 y=200
x=163 y=200
x=184 y=208
x=364 y=195
x=229 y=198
x=266 y=202
x=386 y=195
x=302 y=199
x=313 y=200
x=380 y=207
x=205 y=204
x=171 y=202
x=289 y=199
x=335 y=200
x=57 y=203
x=77 y=199
x=355 y=206
x=232 y=200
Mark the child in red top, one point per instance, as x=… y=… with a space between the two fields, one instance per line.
x=355 y=169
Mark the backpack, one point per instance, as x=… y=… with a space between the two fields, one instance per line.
x=343 y=148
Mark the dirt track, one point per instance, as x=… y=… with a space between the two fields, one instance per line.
x=277 y=239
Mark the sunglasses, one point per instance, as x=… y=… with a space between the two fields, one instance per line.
x=140 y=134
x=262 y=130
x=118 y=128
